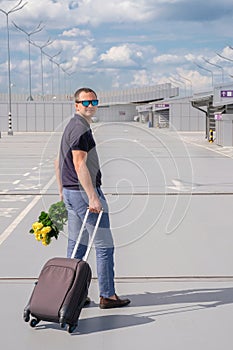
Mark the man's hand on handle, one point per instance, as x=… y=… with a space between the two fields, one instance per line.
x=95 y=204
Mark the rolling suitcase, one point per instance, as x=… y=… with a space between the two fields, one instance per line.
x=62 y=287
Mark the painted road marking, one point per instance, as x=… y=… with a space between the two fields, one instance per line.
x=7 y=212
x=22 y=215
x=9 y=198
x=16 y=182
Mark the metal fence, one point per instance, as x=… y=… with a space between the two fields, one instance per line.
x=36 y=116
x=49 y=113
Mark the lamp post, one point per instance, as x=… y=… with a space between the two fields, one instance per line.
x=216 y=65
x=208 y=70
x=65 y=71
x=190 y=82
x=175 y=81
x=38 y=29
x=226 y=58
x=15 y=8
x=70 y=75
x=48 y=42
x=59 y=76
x=52 y=62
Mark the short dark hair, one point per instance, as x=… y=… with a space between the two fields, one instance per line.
x=84 y=89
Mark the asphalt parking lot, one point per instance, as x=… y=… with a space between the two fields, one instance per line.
x=170 y=197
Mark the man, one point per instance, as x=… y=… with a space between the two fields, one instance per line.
x=79 y=180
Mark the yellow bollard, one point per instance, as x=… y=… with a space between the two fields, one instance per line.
x=211 y=136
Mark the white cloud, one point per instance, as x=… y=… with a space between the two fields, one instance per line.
x=60 y=14
x=118 y=55
x=114 y=11
x=75 y=32
x=200 y=82
x=141 y=78
x=168 y=58
x=190 y=57
x=125 y=42
x=86 y=55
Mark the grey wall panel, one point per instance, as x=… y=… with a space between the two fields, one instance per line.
x=40 y=117
x=28 y=111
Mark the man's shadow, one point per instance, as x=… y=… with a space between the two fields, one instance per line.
x=211 y=296
x=109 y=322
x=177 y=301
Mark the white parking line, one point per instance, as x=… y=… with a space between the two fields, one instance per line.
x=16 y=182
x=22 y=215
x=11 y=174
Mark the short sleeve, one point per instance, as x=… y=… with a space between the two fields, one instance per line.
x=81 y=144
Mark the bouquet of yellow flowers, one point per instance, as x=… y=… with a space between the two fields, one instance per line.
x=50 y=224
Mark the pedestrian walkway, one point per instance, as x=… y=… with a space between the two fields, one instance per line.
x=170 y=197
x=198 y=139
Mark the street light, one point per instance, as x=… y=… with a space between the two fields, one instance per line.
x=190 y=82
x=70 y=75
x=226 y=58
x=41 y=47
x=65 y=71
x=216 y=65
x=175 y=81
x=7 y=13
x=208 y=70
x=52 y=62
x=58 y=76
x=36 y=30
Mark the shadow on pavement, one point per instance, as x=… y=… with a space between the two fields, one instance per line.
x=195 y=298
x=216 y=296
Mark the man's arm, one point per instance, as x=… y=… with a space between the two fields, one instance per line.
x=79 y=160
x=58 y=177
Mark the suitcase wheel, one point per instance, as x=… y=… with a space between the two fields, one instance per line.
x=26 y=315
x=26 y=318
x=34 y=322
x=71 y=328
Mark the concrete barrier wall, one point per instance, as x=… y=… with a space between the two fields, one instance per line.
x=184 y=117
x=36 y=116
x=52 y=116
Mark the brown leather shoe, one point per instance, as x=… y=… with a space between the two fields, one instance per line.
x=106 y=303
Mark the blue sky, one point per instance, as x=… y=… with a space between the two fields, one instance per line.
x=119 y=44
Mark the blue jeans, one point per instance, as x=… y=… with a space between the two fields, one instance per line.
x=76 y=204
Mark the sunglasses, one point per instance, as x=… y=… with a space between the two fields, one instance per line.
x=86 y=103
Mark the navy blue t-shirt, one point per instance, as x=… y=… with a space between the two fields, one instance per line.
x=78 y=136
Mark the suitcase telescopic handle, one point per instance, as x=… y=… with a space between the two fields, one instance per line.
x=92 y=237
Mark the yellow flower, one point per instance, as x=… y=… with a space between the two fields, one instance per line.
x=45 y=230
x=46 y=240
x=37 y=226
x=37 y=235
x=49 y=224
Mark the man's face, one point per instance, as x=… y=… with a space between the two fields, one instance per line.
x=86 y=112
